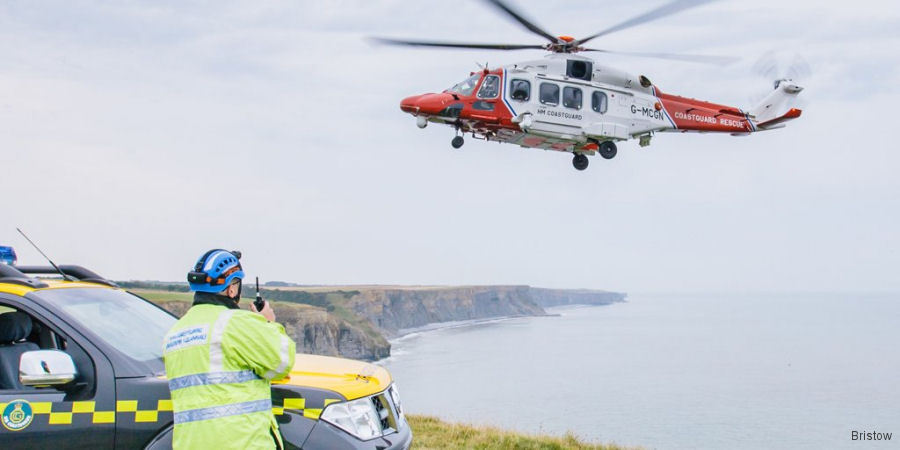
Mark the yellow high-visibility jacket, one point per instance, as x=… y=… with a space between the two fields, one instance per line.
x=219 y=363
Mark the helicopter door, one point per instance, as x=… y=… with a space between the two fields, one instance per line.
x=601 y=125
x=559 y=110
x=487 y=93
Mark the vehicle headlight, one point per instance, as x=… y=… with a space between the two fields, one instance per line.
x=357 y=417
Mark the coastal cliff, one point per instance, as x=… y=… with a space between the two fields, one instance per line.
x=356 y=321
x=393 y=309
x=315 y=330
x=558 y=297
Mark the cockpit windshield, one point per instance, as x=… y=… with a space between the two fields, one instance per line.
x=465 y=87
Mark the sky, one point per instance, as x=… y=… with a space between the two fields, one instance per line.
x=134 y=136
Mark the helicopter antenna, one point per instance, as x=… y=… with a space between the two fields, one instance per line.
x=63 y=274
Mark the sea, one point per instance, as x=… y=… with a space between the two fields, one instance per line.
x=671 y=371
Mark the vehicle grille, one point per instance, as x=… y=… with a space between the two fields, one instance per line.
x=388 y=412
x=384 y=412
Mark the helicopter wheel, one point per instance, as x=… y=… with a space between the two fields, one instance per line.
x=457 y=142
x=580 y=161
x=608 y=150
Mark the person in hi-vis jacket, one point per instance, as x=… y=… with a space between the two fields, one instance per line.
x=220 y=360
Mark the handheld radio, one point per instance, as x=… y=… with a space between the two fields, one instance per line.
x=258 y=303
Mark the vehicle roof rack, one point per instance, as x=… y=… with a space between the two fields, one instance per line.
x=77 y=272
x=10 y=274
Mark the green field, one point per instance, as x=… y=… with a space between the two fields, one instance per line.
x=164 y=296
x=432 y=433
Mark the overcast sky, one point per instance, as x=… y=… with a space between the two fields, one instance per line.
x=136 y=135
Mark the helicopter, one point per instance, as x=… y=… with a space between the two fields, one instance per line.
x=569 y=103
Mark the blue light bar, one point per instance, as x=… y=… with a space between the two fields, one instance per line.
x=7 y=255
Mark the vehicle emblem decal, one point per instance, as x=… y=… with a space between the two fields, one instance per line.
x=17 y=415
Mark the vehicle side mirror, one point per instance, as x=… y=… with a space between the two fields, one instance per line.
x=46 y=368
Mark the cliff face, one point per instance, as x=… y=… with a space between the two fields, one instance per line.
x=395 y=309
x=320 y=333
x=317 y=332
x=557 y=297
x=354 y=323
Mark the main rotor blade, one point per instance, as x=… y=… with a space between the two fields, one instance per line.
x=658 y=13
x=456 y=44
x=521 y=19
x=703 y=59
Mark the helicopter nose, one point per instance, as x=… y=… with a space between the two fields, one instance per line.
x=425 y=104
x=410 y=104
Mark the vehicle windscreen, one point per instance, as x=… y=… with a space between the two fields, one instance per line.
x=465 y=87
x=123 y=321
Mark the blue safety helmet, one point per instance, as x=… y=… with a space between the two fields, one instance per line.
x=215 y=271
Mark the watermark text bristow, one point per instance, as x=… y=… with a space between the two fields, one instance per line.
x=869 y=436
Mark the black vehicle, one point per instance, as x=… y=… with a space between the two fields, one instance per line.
x=81 y=367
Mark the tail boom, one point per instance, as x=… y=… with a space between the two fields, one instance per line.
x=773 y=112
x=690 y=114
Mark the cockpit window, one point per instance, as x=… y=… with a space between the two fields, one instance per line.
x=465 y=87
x=490 y=87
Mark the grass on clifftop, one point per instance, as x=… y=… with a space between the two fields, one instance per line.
x=432 y=433
x=164 y=296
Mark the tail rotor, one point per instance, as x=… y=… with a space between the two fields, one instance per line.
x=784 y=70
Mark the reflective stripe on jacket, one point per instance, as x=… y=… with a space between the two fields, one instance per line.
x=219 y=363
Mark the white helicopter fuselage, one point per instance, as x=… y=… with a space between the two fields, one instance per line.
x=567 y=102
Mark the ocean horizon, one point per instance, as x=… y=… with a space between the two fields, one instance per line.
x=670 y=371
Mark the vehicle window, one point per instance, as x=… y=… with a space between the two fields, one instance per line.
x=39 y=337
x=599 y=102
x=40 y=334
x=549 y=94
x=122 y=320
x=490 y=87
x=465 y=87
x=520 y=90
x=572 y=97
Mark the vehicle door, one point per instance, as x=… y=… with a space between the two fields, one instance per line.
x=560 y=107
x=517 y=94
x=602 y=121
x=78 y=415
x=486 y=99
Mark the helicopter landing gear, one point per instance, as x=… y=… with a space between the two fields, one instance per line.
x=608 y=150
x=580 y=161
x=457 y=142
